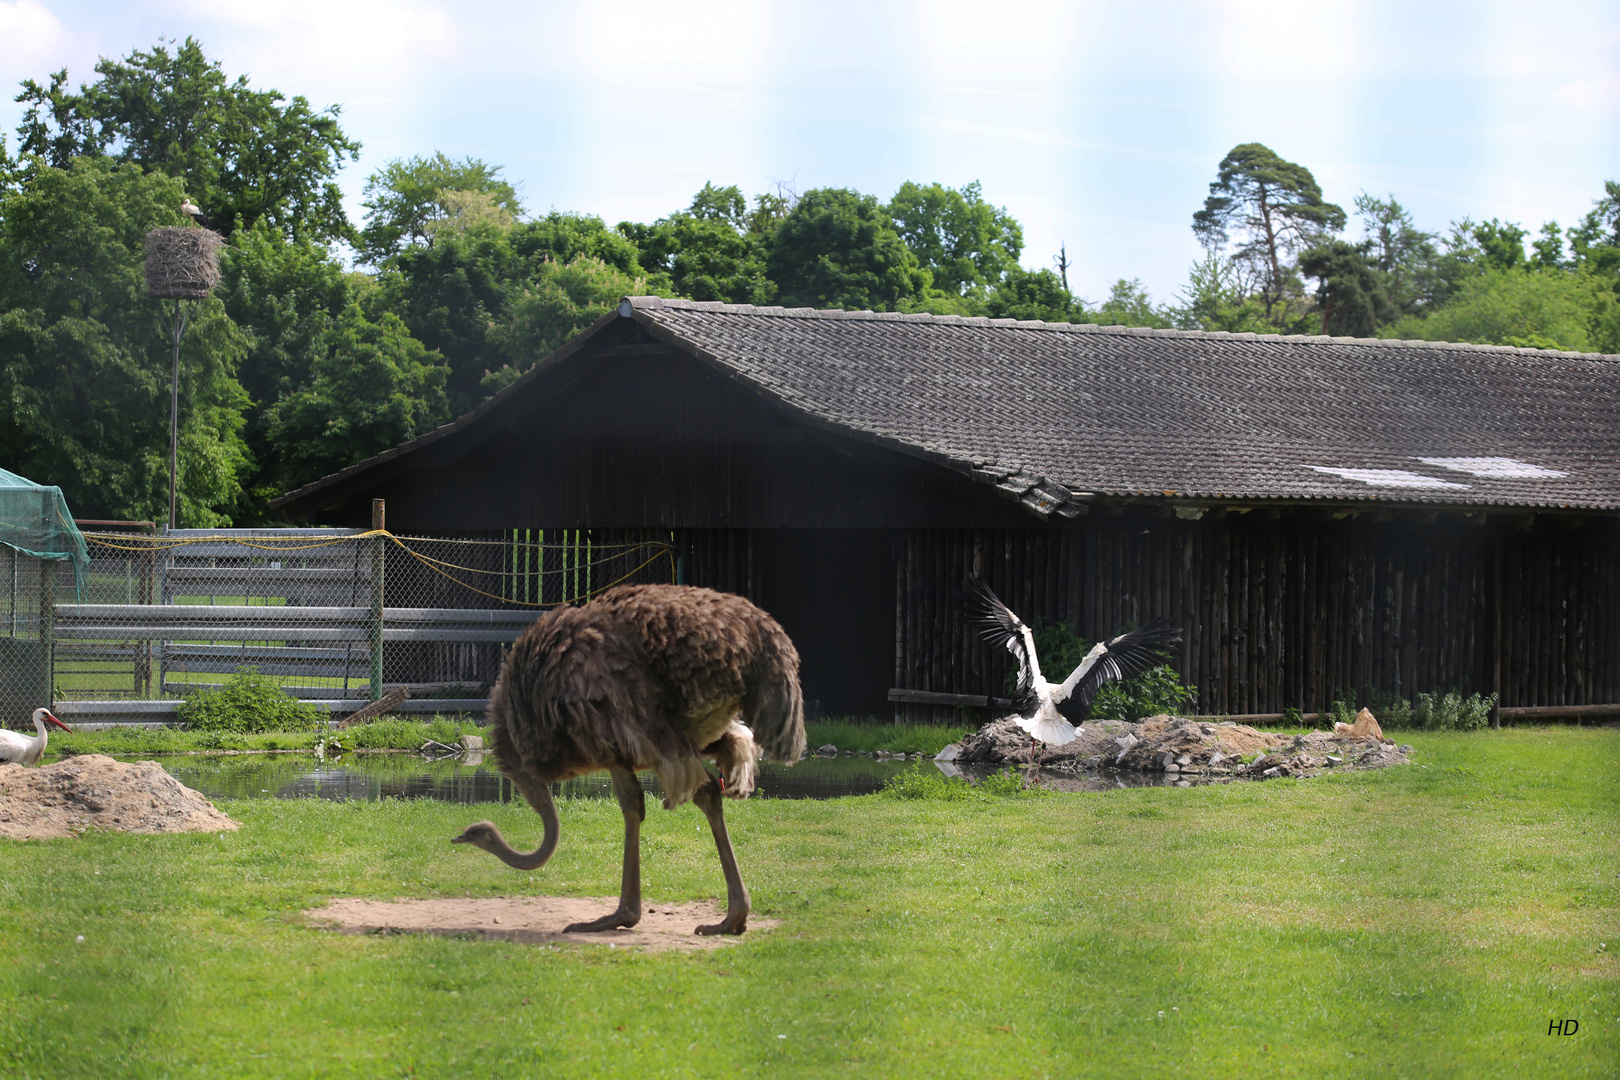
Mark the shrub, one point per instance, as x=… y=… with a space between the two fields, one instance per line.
x=249 y=702
x=922 y=781
x=1452 y=712
x=1158 y=690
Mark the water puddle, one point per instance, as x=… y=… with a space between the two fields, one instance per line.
x=371 y=777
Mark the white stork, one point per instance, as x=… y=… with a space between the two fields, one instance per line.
x=1037 y=701
x=15 y=746
x=193 y=211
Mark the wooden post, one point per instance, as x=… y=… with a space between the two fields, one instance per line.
x=1496 y=634
x=47 y=628
x=378 y=551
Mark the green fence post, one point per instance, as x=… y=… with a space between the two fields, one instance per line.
x=47 y=629
x=378 y=551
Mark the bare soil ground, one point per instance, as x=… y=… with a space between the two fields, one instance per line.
x=93 y=791
x=533 y=920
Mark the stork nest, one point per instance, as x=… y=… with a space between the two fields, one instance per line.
x=182 y=262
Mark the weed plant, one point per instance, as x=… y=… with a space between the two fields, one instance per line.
x=248 y=702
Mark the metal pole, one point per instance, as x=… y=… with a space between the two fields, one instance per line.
x=377 y=560
x=174 y=415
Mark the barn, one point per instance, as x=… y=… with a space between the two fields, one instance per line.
x=1323 y=516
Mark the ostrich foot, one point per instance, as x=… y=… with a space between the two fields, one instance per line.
x=620 y=919
x=735 y=922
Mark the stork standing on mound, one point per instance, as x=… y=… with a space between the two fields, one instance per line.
x=1038 y=702
x=655 y=677
x=17 y=747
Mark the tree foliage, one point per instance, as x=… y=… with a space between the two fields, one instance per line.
x=85 y=355
x=965 y=244
x=839 y=248
x=241 y=154
x=408 y=200
x=1277 y=209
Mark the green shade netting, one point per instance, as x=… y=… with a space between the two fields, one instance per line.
x=34 y=520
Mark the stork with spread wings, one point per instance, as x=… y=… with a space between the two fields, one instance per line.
x=1037 y=701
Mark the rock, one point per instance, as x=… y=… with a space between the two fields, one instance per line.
x=1333 y=759
x=1216 y=758
x=1271 y=771
x=827 y=751
x=949 y=753
x=472 y=742
x=1366 y=726
x=1172 y=767
x=1184 y=760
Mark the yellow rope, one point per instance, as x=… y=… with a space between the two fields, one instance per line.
x=662 y=549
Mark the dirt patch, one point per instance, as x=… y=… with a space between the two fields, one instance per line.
x=92 y=791
x=1200 y=750
x=533 y=920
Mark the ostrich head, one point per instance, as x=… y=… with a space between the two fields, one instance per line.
x=484 y=834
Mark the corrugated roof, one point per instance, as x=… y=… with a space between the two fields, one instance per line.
x=1052 y=412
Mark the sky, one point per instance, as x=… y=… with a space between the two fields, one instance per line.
x=1099 y=126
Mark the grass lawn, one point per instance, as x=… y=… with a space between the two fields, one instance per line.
x=1421 y=921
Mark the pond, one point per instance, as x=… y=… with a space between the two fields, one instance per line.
x=371 y=777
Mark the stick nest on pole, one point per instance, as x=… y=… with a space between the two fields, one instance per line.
x=182 y=262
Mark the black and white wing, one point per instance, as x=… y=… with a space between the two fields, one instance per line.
x=1132 y=653
x=999 y=626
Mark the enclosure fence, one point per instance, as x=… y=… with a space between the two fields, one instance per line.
x=334 y=616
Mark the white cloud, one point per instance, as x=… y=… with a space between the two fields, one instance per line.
x=31 y=40
x=1598 y=96
x=346 y=52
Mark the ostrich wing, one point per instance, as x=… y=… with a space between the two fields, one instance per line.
x=998 y=625
x=1131 y=653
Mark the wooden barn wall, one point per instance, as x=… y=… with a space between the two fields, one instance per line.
x=1280 y=616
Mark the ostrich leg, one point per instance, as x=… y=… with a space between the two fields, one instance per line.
x=632 y=802
x=708 y=800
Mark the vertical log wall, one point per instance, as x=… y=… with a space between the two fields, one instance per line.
x=1280 y=614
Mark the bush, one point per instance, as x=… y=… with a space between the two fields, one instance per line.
x=1158 y=690
x=1452 y=712
x=249 y=702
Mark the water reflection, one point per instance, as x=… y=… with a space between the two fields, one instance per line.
x=370 y=777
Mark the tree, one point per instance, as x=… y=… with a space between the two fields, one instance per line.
x=408 y=197
x=1350 y=297
x=561 y=300
x=1533 y=309
x=373 y=386
x=962 y=241
x=1214 y=299
x=1032 y=294
x=241 y=154
x=85 y=354
x=711 y=251
x=1129 y=304
x=1279 y=210
x=1403 y=255
x=838 y=248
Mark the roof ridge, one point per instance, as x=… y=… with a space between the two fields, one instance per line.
x=653 y=303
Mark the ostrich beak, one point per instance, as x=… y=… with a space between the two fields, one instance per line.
x=52 y=718
x=462 y=839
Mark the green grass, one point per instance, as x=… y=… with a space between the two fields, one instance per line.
x=384 y=733
x=1419 y=921
x=895 y=738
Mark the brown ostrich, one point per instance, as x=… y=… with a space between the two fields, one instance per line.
x=645 y=677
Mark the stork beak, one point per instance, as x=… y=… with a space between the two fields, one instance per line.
x=52 y=718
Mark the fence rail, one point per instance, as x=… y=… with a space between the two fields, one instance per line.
x=335 y=616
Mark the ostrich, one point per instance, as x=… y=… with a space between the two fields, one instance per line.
x=1037 y=701
x=645 y=677
x=23 y=750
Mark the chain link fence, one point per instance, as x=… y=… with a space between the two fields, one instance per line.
x=336 y=617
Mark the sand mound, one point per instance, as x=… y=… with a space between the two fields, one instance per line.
x=96 y=792
x=532 y=920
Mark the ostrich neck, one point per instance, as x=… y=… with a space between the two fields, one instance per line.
x=522 y=860
x=538 y=794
